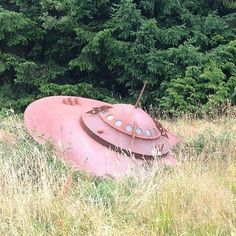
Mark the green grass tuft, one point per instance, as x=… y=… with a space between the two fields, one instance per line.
x=40 y=195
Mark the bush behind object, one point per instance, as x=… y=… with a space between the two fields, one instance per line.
x=107 y=49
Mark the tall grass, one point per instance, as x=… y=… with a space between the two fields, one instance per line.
x=39 y=195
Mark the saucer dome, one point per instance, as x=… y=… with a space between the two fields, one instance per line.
x=126 y=128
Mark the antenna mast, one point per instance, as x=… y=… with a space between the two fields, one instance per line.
x=140 y=95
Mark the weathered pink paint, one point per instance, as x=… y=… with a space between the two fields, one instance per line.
x=100 y=138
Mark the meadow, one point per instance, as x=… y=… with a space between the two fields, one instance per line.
x=40 y=195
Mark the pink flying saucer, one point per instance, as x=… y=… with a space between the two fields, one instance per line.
x=100 y=138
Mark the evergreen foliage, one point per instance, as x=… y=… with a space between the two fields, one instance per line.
x=106 y=49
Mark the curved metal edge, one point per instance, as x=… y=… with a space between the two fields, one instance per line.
x=113 y=147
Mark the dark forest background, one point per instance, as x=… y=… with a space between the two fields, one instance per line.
x=106 y=49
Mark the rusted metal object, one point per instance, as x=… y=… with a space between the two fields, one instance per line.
x=98 y=137
x=120 y=133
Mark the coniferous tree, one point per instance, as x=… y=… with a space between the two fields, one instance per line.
x=106 y=49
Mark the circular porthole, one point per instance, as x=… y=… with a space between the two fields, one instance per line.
x=139 y=131
x=118 y=123
x=148 y=132
x=110 y=117
x=128 y=128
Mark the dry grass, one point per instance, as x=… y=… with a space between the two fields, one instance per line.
x=37 y=196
